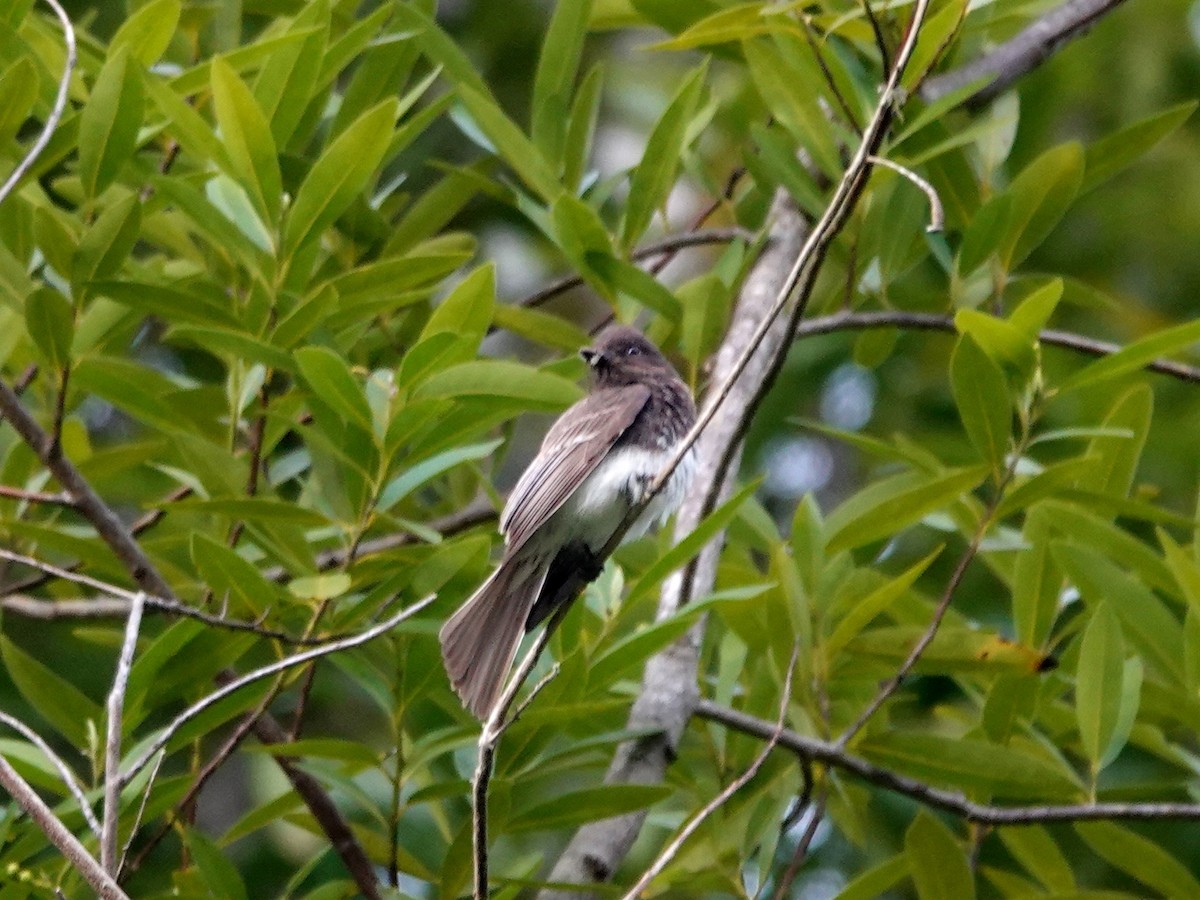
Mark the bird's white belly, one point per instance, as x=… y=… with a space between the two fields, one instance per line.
x=593 y=512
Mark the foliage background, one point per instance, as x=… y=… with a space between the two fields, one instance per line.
x=217 y=272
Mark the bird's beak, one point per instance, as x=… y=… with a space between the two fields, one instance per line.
x=593 y=358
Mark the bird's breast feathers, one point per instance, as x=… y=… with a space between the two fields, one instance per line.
x=597 y=506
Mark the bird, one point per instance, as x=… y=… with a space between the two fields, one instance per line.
x=598 y=459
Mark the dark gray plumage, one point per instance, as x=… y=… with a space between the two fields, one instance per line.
x=595 y=461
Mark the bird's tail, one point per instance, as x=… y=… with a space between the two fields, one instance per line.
x=480 y=640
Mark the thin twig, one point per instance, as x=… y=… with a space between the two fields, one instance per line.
x=110 y=839
x=57 y=499
x=937 y=215
x=851 y=118
x=914 y=321
x=266 y=671
x=784 y=890
x=948 y=801
x=985 y=522
x=489 y=737
x=101 y=607
x=60 y=103
x=880 y=43
x=137 y=820
x=58 y=833
x=668 y=244
x=64 y=771
x=668 y=852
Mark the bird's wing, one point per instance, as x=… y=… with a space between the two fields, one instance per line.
x=573 y=448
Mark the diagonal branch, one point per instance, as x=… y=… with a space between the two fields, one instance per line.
x=64 y=771
x=58 y=833
x=1003 y=66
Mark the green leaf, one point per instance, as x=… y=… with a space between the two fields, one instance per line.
x=984 y=234
x=981 y=394
x=1134 y=356
x=874 y=604
x=1119 y=455
x=331 y=380
x=1098 y=682
x=588 y=805
x=1146 y=623
x=1139 y=858
x=287 y=79
x=230 y=343
x=426 y=470
x=109 y=123
x=1041 y=195
x=326 y=586
x=246 y=134
x=581 y=127
x=936 y=861
x=147 y=33
x=969 y=764
x=510 y=144
x=654 y=176
x=687 y=548
x=1111 y=154
x=1035 y=849
x=499 y=378
x=105 y=246
x=552 y=86
x=67 y=709
x=219 y=873
x=1032 y=313
x=226 y=571
x=466 y=312
x=50 y=321
x=18 y=93
x=1000 y=340
x=1037 y=582
x=891 y=505
x=343 y=171
x=636 y=283
x=795 y=105
x=1183 y=567
x=542 y=328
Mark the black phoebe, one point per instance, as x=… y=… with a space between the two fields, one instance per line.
x=596 y=461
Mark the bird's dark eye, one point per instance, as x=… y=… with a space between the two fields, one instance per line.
x=633 y=350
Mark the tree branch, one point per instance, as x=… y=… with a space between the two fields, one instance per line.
x=58 y=833
x=109 y=837
x=936 y=798
x=64 y=771
x=144 y=573
x=914 y=321
x=236 y=684
x=1019 y=56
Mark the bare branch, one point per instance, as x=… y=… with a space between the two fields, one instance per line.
x=668 y=244
x=1003 y=66
x=266 y=671
x=937 y=215
x=60 y=103
x=13 y=493
x=489 y=737
x=914 y=321
x=668 y=852
x=64 y=771
x=109 y=838
x=58 y=833
x=936 y=798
